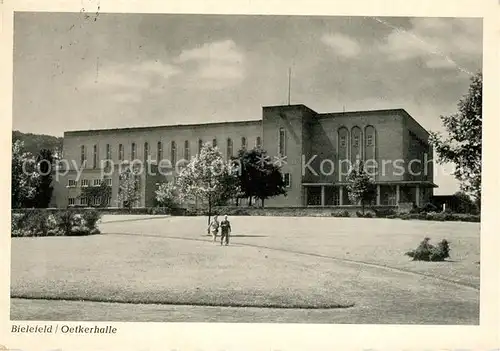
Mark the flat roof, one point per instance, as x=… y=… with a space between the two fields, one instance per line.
x=132 y=129
x=244 y=122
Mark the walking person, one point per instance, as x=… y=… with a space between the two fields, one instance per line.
x=225 y=229
x=213 y=228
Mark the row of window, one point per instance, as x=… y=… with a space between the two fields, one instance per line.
x=85 y=202
x=356 y=136
x=159 y=150
x=86 y=182
x=355 y=141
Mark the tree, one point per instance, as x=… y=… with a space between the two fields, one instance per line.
x=258 y=177
x=128 y=191
x=464 y=203
x=25 y=178
x=463 y=144
x=166 y=195
x=360 y=186
x=100 y=194
x=205 y=178
x=33 y=143
x=45 y=162
x=230 y=186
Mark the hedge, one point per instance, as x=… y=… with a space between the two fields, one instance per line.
x=438 y=216
x=342 y=211
x=43 y=222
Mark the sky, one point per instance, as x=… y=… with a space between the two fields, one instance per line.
x=85 y=71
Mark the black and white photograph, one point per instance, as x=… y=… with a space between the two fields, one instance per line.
x=225 y=168
x=245 y=168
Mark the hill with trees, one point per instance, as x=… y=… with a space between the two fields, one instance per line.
x=33 y=143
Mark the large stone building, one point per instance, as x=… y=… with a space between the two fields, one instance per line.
x=316 y=151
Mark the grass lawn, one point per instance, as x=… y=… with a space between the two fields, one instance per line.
x=271 y=262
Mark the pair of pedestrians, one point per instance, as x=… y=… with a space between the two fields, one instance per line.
x=225 y=230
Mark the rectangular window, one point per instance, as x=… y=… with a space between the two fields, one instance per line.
x=71 y=201
x=96 y=201
x=214 y=142
x=229 y=148
x=336 y=198
x=282 y=142
x=82 y=155
x=286 y=179
x=355 y=141
x=108 y=152
x=71 y=183
x=83 y=201
x=108 y=182
x=146 y=152
x=173 y=153
x=342 y=141
x=97 y=182
x=200 y=146
x=159 y=152
x=187 y=152
x=243 y=143
x=137 y=183
x=313 y=195
x=95 y=157
x=369 y=140
x=120 y=152
x=85 y=182
x=133 y=152
x=258 y=142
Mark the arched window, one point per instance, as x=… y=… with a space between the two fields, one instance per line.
x=370 y=149
x=159 y=152
x=229 y=148
x=258 y=142
x=146 y=152
x=356 y=144
x=369 y=140
x=133 y=152
x=243 y=143
x=173 y=153
x=214 y=142
x=187 y=152
x=343 y=152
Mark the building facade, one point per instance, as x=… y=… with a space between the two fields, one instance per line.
x=314 y=150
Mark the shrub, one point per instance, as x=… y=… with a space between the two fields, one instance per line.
x=428 y=207
x=365 y=215
x=42 y=222
x=91 y=217
x=36 y=223
x=191 y=212
x=383 y=212
x=160 y=210
x=421 y=216
x=428 y=252
x=77 y=220
x=64 y=221
x=343 y=213
x=241 y=212
x=18 y=220
x=79 y=230
x=469 y=218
